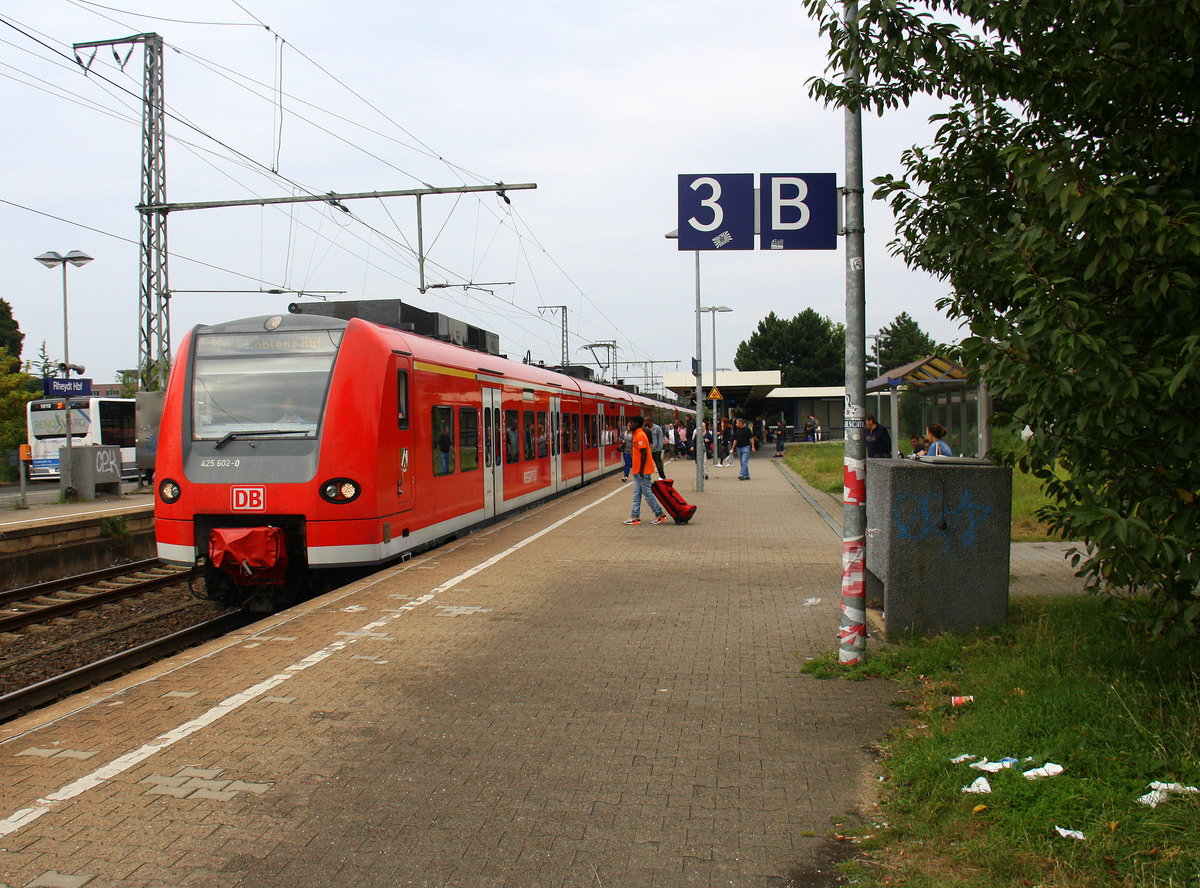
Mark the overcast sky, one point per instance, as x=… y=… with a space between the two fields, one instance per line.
x=601 y=106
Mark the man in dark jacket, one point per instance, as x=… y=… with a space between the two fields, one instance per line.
x=879 y=442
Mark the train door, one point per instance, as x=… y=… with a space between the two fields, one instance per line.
x=404 y=467
x=493 y=459
x=601 y=440
x=556 y=443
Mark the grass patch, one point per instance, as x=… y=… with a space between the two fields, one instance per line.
x=818 y=464
x=1069 y=681
x=1027 y=497
x=821 y=466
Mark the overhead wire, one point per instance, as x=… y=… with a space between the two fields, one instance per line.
x=511 y=220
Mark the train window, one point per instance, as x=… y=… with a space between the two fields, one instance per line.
x=488 y=421
x=540 y=435
x=573 y=433
x=512 y=437
x=468 y=439
x=402 y=399
x=530 y=447
x=261 y=382
x=443 y=440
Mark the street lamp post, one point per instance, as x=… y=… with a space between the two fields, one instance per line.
x=52 y=259
x=699 y=370
x=713 y=309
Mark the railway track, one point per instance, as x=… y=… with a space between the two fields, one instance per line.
x=43 y=602
x=24 y=699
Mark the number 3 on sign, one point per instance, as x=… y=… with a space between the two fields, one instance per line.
x=716 y=211
x=712 y=203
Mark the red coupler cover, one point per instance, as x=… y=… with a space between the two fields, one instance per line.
x=676 y=506
x=253 y=556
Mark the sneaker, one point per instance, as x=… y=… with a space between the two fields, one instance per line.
x=661 y=519
x=633 y=521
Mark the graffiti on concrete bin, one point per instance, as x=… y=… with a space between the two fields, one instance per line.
x=916 y=517
x=108 y=462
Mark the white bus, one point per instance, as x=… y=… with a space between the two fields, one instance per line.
x=94 y=420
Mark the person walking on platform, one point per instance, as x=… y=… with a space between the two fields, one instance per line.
x=643 y=465
x=626 y=451
x=743 y=440
x=655 y=433
x=879 y=442
x=726 y=442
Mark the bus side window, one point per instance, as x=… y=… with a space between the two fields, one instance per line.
x=402 y=399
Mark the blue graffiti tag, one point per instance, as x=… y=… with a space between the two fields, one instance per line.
x=917 y=517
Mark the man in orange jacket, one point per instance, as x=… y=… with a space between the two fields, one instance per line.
x=643 y=466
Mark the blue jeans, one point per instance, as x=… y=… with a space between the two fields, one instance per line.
x=641 y=487
x=744 y=458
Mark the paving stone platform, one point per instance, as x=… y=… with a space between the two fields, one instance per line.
x=559 y=700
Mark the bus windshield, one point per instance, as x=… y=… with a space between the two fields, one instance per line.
x=47 y=420
x=264 y=383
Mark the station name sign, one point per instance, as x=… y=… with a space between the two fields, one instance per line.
x=61 y=388
x=787 y=211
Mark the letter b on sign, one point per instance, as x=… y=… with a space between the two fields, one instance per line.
x=248 y=499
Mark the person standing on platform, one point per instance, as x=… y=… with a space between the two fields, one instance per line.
x=643 y=465
x=626 y=451
x=655 y=433
x=743 y=440
x=879 y=442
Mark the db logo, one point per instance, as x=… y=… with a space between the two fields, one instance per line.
x=248 y=499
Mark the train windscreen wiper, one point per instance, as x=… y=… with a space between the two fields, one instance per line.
x=257 y=433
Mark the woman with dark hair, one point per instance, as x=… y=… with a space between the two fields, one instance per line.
x=937 y=447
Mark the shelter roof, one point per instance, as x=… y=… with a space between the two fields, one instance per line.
x=810 y=391
x=933 y=370
x=734 y=385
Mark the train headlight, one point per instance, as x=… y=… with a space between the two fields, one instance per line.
x=340 y=490
x=169 y=491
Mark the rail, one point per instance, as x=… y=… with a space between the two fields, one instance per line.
x=39 y=611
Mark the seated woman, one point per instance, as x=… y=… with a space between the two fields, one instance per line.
x=937 y=447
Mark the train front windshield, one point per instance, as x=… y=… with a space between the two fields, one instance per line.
x=261 y=383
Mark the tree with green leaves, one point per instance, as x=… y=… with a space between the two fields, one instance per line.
x=808 y=349
x=1060 y=200
x=11 y=337
x=44 y=365
x=901 y=342
x=16 y=388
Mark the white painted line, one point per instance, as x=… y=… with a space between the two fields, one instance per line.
x=52 y=519
x=121 y=764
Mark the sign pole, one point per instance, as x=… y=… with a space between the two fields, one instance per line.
x=699 y=389
x=852 y=632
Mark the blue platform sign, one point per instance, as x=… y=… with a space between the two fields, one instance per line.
x=798 y=211
x=61 y=388
x=716 y=212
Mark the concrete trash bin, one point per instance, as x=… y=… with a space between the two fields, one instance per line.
x=94 y=467
x=937 y=548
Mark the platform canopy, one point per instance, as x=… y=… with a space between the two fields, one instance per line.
x=734 y=385
x=933 y=370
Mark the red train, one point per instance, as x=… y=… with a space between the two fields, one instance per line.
x=293 y=445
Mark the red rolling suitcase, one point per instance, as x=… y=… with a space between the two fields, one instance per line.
x=676 y=506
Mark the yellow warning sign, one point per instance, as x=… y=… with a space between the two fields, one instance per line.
x=715 y=394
